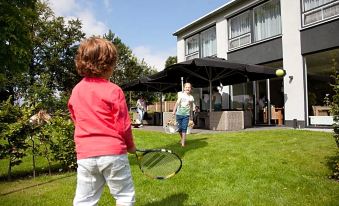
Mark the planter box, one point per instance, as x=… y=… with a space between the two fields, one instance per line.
x=321 y=120
x=227 y=120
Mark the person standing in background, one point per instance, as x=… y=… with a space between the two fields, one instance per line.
x=216 y=100
x=141 y=108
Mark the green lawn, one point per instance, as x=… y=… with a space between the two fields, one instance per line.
x=272 y=167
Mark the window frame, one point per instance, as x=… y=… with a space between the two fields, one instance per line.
x=252 y=28
x=321 y=9
x=198 y=53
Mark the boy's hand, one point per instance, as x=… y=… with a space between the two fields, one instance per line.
x=131 y=150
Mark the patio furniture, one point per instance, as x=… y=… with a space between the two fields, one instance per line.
x=321 y=110
x=276 y=115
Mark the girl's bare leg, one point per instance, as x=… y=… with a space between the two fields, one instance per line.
x=183 y=138
x=180 y=134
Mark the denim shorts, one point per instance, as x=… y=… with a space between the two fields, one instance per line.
x=92 y=175
x=182 y=121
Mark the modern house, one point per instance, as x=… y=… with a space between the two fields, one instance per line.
x=300 y=36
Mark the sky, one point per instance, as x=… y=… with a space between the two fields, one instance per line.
x=145 y=26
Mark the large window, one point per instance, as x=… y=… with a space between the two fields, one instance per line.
x=267 y=21
x=320 y=67
x=203 y=44
x=319 y=10
x=240 y=30
x=192 y=47
x=259 y=23
x=208 y=42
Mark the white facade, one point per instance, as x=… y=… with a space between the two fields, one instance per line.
x=284 y=39
x=292 y=60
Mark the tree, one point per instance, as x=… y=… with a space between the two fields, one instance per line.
x=170 y=61
x=14 y=129
x=15 y=41
x=128 y=66
x=54 y=46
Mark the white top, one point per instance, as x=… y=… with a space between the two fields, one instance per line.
x=185 y=104
x=141 y=104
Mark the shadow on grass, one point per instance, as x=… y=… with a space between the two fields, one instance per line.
x=176 y=199
x=36 y=185
x=191 y=144
x=39 y=171
x=24 y=174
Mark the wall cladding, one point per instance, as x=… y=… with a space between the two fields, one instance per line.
x=267 y=51
x=322 y=37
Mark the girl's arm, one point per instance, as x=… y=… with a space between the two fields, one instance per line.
x=176 y=105
x=192 y=108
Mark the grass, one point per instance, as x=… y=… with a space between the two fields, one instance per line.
x=274 y=167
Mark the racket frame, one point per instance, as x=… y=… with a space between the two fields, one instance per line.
x=145 y=151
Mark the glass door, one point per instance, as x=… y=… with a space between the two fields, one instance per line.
x=261 y=103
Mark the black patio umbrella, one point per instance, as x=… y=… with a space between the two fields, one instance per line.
x=144 y=84
x=212 y=71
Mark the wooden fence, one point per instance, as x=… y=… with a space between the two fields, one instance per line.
x=167 y=106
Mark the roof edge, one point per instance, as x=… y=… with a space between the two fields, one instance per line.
x=215 y=11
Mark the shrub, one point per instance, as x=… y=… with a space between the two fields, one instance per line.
x=335 y=112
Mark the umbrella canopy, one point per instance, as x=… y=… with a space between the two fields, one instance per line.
x=144 y=84
x=211 y=71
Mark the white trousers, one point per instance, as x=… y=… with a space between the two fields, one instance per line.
x=141 y=113
x=94 y=172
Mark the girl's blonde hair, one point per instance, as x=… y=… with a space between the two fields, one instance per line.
x=189 y=84
x=95 y=57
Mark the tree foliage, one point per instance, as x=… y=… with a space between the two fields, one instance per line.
x=15 y=41
x=14 y=129
x=170 y=61
x=128 y=66
x=55 y=43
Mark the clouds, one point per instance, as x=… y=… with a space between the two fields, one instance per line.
x=153 y=58
x=90 y=12
x=71 y=9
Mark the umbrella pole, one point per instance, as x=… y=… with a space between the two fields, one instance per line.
x=210 y=91
x=161 y=109
x=182 y=84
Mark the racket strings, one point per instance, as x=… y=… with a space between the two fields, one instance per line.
x=160 y=164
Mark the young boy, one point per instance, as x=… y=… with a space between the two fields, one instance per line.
x=102 y=133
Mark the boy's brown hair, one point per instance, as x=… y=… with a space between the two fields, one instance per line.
x=95 y=57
